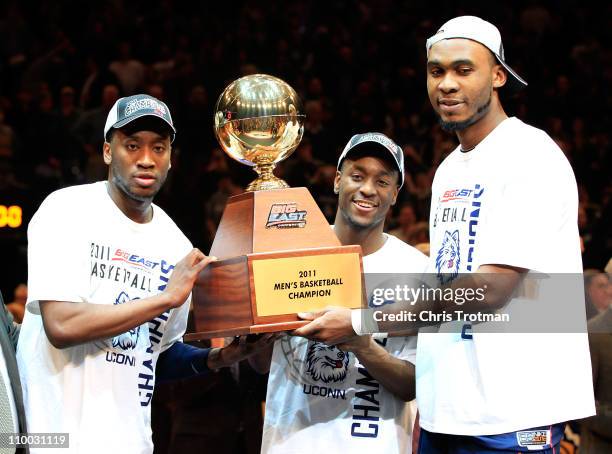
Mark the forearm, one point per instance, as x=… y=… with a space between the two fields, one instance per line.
x=338 y=325
x=487 y=290
x=216 y=359
x=395 y=375
x=260 y=362
x=244 y=347
x=223 y=357
x=181 y=361
x=68 y=323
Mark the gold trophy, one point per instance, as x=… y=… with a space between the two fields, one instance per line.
x=259 y=122
x=277 y=253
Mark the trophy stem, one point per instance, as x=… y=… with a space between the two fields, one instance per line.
x=266 y=179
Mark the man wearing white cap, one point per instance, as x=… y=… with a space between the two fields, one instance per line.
x=481 y=391
x=353 y=397
x=109 y=283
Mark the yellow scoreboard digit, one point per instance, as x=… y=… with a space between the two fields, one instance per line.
x=11 y=216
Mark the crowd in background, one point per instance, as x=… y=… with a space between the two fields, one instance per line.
x=358 y=66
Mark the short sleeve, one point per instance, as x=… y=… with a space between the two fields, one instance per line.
x=57 y=254
x=403 y=347
x=535 y=214
x=176 y=326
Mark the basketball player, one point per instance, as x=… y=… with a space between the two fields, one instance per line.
x=109 y=284
x=491 y=392
x=351 y=397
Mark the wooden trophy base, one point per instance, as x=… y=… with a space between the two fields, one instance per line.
x=277 y=256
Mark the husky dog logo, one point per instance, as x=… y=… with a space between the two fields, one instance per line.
x=325 y=363
x=129 y=339
x=448 y=259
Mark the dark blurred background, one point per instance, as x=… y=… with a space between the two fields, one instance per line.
x=358 y=66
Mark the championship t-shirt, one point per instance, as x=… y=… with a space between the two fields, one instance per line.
x=83 y=249
x=512 y=200
x=322 y=398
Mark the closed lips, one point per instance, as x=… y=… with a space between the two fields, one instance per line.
x=145 y=176
x=449 y=102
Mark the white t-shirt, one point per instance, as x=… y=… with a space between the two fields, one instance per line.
x=512 y=200
x=320 y=397
x=82 y=248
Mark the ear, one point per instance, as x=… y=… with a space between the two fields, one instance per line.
x=455 y=236
x=106 y=151
x=395 y=193
x=500 y=76
x=337 y=182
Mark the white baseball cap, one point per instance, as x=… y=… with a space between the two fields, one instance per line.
x=481 y=31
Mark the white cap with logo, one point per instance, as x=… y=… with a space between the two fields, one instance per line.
x=481 y=31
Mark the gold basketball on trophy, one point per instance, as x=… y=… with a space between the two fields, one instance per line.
x=259 y=122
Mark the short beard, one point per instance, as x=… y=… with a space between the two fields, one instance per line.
x=120 y=183
x=453 y=126
x=123 y=187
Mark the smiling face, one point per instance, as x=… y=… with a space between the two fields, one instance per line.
x=462 y=76
x=367 y=187
x=139 y=163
